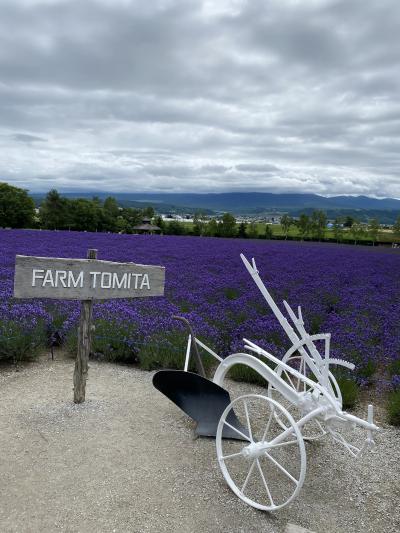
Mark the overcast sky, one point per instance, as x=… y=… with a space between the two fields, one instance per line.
x=191 y=95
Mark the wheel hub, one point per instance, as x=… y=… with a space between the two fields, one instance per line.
x=254 y=450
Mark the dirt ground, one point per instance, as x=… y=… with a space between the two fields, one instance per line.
x=127 y=461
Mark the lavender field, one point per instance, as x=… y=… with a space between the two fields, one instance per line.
x=352 y=292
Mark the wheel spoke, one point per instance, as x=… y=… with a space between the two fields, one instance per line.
x=223 y=457
x=301 y=370
x=236 y=429
x=248 y=476
x=320 y=426
x=268 y=424
x=248 y=420
x=287 y=443
x=290 y=381
x=265 y=483
x=274 y=480
x=278 y=465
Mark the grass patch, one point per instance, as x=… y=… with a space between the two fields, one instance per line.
x=169 y=351
x=368 y=370
x=349 y=390
x=111 y=341
x=114 y=341
x=248 y=375
x=231 y=293
x=394 y=408
x=394 y=368
x=18 y=344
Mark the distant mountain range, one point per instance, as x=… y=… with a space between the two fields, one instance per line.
x=239 y=201
x=249 y=202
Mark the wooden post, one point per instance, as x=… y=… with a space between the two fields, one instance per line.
x=84 y=345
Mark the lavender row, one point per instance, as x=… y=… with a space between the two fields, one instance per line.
x=349 y=291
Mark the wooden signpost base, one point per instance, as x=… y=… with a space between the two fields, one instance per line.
x=84 y=345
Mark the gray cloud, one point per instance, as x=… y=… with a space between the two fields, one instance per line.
x=258 y=167
x=209 y=95
x=25 y=138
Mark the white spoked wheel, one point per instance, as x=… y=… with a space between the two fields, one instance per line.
x=267 y=469
x=313 y=430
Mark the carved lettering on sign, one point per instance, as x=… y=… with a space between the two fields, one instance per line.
x=85 y=279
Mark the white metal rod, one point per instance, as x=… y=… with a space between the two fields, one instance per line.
x=281 y=468
x=280 y=438
x=248 y=476
x=188 y=353
x=309 y=342
x=359 y=421
x=251 y=346
x=236 y=429
x=277 y=312
x=265 y=483
x=208 y=349
x=282 y=320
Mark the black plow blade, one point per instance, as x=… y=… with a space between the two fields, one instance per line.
x=201 y=399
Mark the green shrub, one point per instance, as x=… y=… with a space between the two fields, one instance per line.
x=115 y=341
x=349 y=390
x=71 y=341
x=316 y=321
x=231 y=293
x=368 y=370
x=394 y=368
x=169 y=351
x=246 y=374
x=111 y=341
x=18 y=344
x=185 y=307
x=394 y=408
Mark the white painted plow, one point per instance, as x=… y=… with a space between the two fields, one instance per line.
x=260 y=437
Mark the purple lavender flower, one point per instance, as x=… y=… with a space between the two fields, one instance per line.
x=351 y=292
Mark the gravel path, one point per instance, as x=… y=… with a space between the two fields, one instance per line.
x=126 y=461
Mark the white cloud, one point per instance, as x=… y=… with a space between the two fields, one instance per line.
x=186 y=95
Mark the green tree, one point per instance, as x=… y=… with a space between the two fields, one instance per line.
x=286 y=222
x=122 y=226
x=132 y=216
x=228 y=225
x=158 y=221
x=396 y=227
x=357 y=231
x=175 y=228
x=198 y=223
x=110 y=206
x=318 y=224
x=212 y=228
x=109 y=215
x=252 y=230
x=17 y=209
x=338 y=230
x=55 y=211
x=148 y=212
x=349 y=221
x=268 y=231
x=373 y=230
x=242 y=233
x=85 y=215
x=304 y=226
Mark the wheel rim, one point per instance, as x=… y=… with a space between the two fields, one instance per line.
x=268 y=471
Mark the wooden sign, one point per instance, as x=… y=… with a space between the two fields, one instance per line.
x=85 y=279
